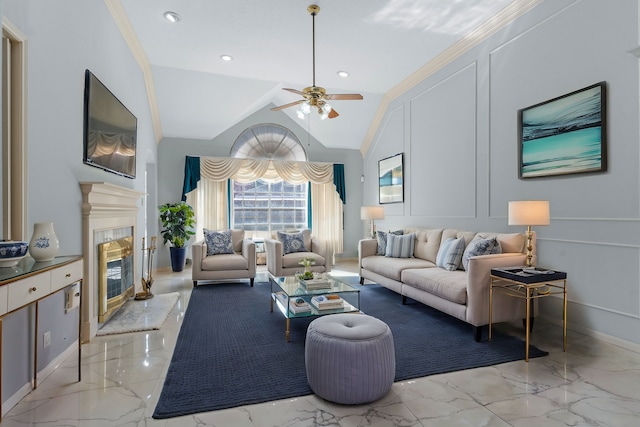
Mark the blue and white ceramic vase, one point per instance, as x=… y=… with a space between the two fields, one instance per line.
x=44 y=243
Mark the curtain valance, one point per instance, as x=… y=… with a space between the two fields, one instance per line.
x=249 y=170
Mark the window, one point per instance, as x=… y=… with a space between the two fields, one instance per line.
x=262 y=208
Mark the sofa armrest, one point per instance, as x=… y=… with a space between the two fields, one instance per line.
x=325 y=250
x=366 y=247
x=248 y=249
x=273 y=249
x=478 y=279
x=199 y=251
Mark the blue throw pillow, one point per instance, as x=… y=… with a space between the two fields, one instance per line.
x=400 y=246
x=450 y=254
x=382 y=240
x=218 y=242
x=479 y=246
x=292 y=242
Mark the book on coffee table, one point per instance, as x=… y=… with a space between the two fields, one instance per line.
x=327 y=302
x=314 y=284
x=298 y=305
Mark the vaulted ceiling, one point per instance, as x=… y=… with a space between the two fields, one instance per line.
x=385 y=45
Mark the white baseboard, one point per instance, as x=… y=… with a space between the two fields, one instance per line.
x=41 y=376
x=609 y=339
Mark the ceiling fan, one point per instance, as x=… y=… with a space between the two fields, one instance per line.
x=316 y=96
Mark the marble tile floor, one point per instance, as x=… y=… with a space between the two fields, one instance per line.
x=593 y=384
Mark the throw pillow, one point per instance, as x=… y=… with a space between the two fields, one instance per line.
x=382 y=240
x=450 y=254
x=292 y=242
x=480 y=246
x=400 y=246
x=218 y=242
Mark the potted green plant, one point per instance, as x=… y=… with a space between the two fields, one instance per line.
x=177 y=227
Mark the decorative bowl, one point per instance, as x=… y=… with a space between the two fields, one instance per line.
x=11 y=252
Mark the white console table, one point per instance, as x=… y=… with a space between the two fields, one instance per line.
x=29 y=282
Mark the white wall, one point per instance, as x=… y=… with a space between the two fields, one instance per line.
x=64 y=38
x=458 y=131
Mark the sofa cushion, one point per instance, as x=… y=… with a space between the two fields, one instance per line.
x=450 y=254
x=292 y=242
x=457 y=234
x=480 y=246
x=400 y=246
x=512 y=242
x=218 y=242
x=450 y=285
x=427 y=243
x=381 y=236
x=225 y=262
x=292 y=260
x=392 y=267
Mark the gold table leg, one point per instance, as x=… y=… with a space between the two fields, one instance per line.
x=564 y=318
x=287 y=331
x=490 y=306
x=526 y=334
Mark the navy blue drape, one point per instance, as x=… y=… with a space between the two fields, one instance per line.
x=191 y=175
x=338 y=181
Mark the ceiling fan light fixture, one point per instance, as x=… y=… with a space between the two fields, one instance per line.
x=324 y=111
x=172 y=17
x=316 y=96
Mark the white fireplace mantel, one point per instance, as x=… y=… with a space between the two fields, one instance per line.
x=104 y=206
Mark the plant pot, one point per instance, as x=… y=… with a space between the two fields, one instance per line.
x=178 y=258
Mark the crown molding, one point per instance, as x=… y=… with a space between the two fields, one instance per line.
x=126 y=29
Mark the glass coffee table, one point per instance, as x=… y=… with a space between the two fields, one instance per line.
x=289 y=295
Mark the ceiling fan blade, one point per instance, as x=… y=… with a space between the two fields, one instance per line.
x=291 y=104
x=344 y=96
x=333 y=114
x=294 y=91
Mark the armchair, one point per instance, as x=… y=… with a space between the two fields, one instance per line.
x=240 y=263
x=282 y=262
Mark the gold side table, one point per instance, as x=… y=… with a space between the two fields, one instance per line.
x=529 y=284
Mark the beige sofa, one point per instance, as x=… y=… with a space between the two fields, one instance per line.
x=281 y=264
x=239 y=265
x=462 y=293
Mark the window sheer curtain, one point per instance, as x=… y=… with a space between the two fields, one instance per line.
x=205 y=189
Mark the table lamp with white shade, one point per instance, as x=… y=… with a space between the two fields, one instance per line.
x=371 y=213
x=529 y=212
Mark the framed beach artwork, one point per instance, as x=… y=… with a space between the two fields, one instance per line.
x=390 y=179
x=565 y=135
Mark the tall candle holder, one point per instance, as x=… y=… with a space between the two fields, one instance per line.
x=147 y=265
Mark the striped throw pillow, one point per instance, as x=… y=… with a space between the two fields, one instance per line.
x=400 y=246
x=450 y=254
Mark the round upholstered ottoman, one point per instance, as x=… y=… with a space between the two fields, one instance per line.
x=350 y=358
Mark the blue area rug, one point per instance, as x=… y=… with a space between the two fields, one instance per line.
x=231 y=350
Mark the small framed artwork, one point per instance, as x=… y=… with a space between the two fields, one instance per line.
x=565 y=135
x=391 y=179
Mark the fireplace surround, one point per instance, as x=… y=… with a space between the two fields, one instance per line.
x=109 y=212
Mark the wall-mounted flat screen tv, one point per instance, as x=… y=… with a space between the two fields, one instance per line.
x=110 y=130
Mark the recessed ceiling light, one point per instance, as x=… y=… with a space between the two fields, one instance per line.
x=343 y=73
x=171 y=16
x=226 y=57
